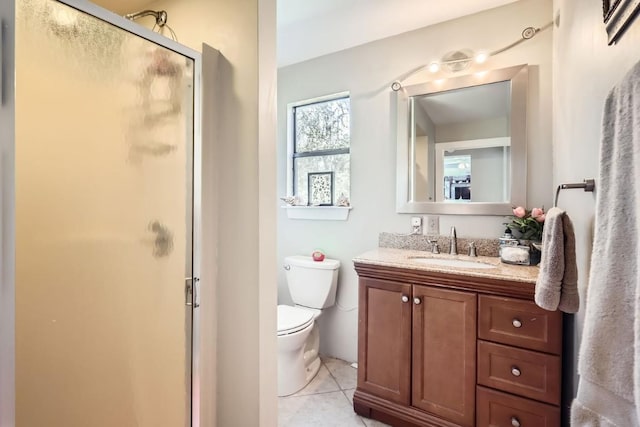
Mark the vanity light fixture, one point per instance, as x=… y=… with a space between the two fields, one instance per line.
x=460 y=60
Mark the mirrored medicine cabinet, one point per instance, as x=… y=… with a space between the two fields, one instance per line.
x=461 y=144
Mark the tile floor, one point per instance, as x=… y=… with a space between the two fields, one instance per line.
x=326 y=401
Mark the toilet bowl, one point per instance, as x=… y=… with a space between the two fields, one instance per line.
x=298 y=343
x=312 y=286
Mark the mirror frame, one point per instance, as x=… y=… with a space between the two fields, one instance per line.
x=519 y=78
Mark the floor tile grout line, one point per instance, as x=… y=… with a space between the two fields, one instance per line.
x=344 y=394
x=340 y=388
x=334 y=377
x=351 y=405
x=343 y=391
x=311 y=394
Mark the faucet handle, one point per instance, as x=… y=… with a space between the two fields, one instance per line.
x=434 y=246
x=472 y=249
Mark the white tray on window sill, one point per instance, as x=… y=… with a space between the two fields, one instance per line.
x=328 y=213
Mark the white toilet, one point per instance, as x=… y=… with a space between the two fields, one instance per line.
x=312 y=285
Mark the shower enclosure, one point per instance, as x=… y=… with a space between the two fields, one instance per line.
x=104 y=245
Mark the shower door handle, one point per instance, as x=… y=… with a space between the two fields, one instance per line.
x=191 y=295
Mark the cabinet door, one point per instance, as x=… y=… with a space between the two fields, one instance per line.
x=384 y=339
x=444 y=353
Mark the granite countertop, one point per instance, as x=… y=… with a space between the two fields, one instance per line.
x=402 y=258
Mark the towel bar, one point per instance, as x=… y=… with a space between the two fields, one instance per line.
x=587 y=185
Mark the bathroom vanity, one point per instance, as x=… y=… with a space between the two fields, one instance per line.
x=443 y=345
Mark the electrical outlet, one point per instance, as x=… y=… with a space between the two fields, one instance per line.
x=416 y=225
x=433 y=225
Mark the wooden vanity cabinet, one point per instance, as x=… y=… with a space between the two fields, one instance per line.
x=444 y=350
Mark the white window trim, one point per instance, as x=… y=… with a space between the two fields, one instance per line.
x=328 y=213
x=339 y=213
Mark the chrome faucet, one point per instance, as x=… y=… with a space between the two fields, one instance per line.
x=453 y=243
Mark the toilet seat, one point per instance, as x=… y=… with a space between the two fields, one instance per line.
x=293 y=319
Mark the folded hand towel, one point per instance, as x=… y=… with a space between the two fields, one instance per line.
x=557 y=284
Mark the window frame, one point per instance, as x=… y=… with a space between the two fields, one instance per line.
x=292 y=155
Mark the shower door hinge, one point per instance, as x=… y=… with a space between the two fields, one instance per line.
x=191 y=294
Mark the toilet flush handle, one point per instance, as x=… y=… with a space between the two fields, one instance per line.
x=287 y=267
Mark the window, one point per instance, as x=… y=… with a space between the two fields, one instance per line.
x=319 y=150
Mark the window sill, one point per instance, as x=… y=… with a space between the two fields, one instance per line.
x=327 y=213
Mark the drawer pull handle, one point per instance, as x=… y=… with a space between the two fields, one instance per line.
x=515 y=371
x=515 y=422
x=405 y=298
x=516 y=323
x=417 y=301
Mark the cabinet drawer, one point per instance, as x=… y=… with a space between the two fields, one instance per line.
x=497 y=409
x=524 y=372
x=520 y=323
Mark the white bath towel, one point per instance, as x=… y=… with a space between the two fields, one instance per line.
x=557 y=284
x=609 y=359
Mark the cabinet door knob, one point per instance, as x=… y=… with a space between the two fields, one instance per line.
x=516 y=323
x=515 y=422
x=405 y=298
x=515 y=371
x=417 y=301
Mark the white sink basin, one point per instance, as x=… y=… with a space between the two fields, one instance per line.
x=451 y=262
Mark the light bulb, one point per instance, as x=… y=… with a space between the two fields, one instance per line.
x=481 y=57
x=434 y=67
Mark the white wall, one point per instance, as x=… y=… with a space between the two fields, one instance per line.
x=366 y=72
x=585 y=69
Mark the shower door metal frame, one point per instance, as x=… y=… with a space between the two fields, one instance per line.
x=7 y=214
x=7 y=192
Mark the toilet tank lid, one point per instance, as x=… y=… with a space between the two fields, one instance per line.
x=308 y=262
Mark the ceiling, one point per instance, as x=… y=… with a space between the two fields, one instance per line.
x=311 y=28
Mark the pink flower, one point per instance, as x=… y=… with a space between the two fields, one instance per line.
x=520 y=212
x=536 y=213
x=540 y=218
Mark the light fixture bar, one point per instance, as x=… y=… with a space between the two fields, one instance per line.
x=481 y=57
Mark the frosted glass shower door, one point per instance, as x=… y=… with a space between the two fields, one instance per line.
x=104 y=161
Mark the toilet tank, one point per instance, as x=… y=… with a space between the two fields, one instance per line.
x=312 y=283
